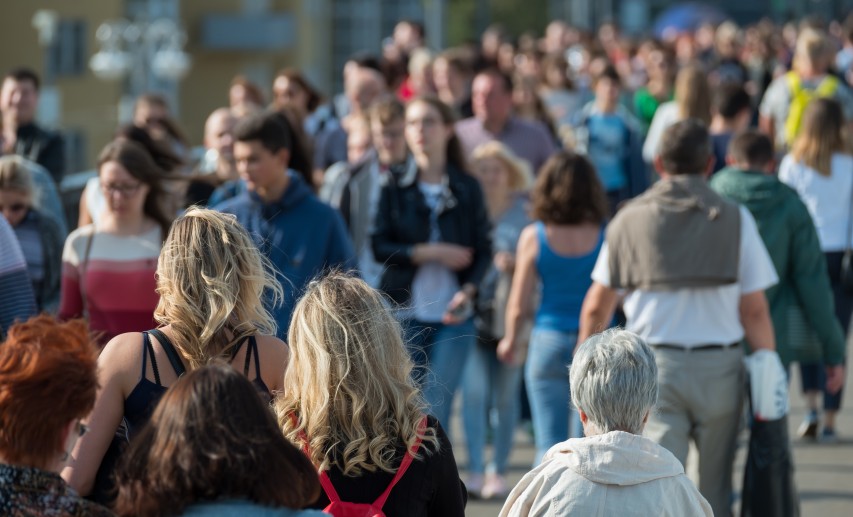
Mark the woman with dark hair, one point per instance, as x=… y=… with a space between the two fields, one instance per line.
x=40 y=415
x=432 y=232
x=559 y=251
x=93 y=202
x=121 y=249
x=181 y=464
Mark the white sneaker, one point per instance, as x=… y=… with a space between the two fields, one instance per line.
x=474 y=485
x=495 y=487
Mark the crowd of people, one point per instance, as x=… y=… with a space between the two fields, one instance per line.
x=279 y=319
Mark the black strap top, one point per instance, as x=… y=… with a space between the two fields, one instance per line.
x=140 y=404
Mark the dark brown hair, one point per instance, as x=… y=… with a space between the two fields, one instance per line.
x=253 y=92
x=139 y=164
x=293 y=74
x=211 y=437
x=455 y=155
x=48 y=378
x=568 y=191
x=22 y=74
x=751 y=148
x=168 y=123
x=685 y=147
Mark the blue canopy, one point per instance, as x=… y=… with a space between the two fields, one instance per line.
x=687 y=17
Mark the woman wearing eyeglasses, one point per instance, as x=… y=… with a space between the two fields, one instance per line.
x=108 y=268
x=40 y=415
x=38 y=233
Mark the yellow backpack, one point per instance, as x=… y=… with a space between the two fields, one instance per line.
x=801 y=97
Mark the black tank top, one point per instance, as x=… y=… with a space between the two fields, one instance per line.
x=141 y=402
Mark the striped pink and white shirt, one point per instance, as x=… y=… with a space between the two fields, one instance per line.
x=119 y=280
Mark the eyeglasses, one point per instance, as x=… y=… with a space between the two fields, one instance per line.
x=123 y=190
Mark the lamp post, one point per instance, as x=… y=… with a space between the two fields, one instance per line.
x=141 y=52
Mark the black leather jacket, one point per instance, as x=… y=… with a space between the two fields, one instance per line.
x=43 y=147
x=403 y=220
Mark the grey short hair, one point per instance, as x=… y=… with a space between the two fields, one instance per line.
x=614 y=381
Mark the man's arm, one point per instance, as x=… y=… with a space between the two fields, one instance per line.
x=597 y=310
x=755 y=318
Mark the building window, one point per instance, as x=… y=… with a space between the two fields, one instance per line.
x=68 y=53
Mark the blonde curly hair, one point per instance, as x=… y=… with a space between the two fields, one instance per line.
x=349 y=385
x=212 y=281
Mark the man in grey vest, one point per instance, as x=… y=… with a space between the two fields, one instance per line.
x=693 y=269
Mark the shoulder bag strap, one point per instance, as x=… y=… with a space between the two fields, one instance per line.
x=177 y=365
x=84 y=266
x=404 y=466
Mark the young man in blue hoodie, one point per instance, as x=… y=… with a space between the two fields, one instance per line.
x=301 y=235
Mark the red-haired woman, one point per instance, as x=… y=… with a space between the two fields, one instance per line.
x=40 y=416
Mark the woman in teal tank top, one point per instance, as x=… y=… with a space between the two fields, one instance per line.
x=558 y=251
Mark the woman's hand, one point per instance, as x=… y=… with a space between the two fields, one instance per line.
x=504 y=261
x=459 y=309
x=452 y=256
x=507 y=351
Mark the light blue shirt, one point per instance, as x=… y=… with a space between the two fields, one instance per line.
x=607 y=149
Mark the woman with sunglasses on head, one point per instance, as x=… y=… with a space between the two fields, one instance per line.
x=38 y=233
x=40 y=415
x=108 y=267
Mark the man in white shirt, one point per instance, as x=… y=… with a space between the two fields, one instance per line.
x=693 y=270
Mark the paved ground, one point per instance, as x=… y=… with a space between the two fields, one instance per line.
x=824 y=473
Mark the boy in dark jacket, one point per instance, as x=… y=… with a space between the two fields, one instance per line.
x=789 y=234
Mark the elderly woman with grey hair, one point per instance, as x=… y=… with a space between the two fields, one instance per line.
x=613 y=470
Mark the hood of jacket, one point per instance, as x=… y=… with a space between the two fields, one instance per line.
x=616 y=458
x=297 y=190
x=760 y=193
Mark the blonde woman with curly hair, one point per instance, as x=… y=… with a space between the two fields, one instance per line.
x=351 y=403
x=212 y=281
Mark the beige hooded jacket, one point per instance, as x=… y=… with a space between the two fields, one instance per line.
x=616 y=473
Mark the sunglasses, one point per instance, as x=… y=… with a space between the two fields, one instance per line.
x=15 y=207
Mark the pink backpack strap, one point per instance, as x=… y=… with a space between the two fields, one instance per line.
x=404 y=466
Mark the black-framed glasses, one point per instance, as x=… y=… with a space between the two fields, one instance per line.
x=125 y=190
x=14 y=207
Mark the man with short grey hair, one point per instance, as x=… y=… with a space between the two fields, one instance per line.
x=693 y=269
x=614 y=387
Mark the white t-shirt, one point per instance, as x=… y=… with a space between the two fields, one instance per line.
x=434 y=284
x=828 y=198
x=666 y=115
x=694 y=317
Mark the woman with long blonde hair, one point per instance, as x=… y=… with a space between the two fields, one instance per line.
x=352 y=404
x=820 y=168
x=692 y=100
x=212 y=280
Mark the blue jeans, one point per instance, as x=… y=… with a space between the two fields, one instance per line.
x=489 y=383
x=439 y=352
x=547 y=376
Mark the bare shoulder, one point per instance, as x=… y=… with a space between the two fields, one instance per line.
x=274 y=355
x=121 y=360
x=528 y=242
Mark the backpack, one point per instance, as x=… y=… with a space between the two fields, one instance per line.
x=338 y=508
x=800 y=99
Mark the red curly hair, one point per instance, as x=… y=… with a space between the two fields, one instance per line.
x=48 y=378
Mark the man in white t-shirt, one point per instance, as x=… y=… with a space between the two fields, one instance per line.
x=693 y=270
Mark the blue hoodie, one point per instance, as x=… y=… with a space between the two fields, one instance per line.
x=301 y=235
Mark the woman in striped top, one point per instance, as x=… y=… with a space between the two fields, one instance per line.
x=108 y=269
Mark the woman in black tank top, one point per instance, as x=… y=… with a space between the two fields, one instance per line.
x=212 y=282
